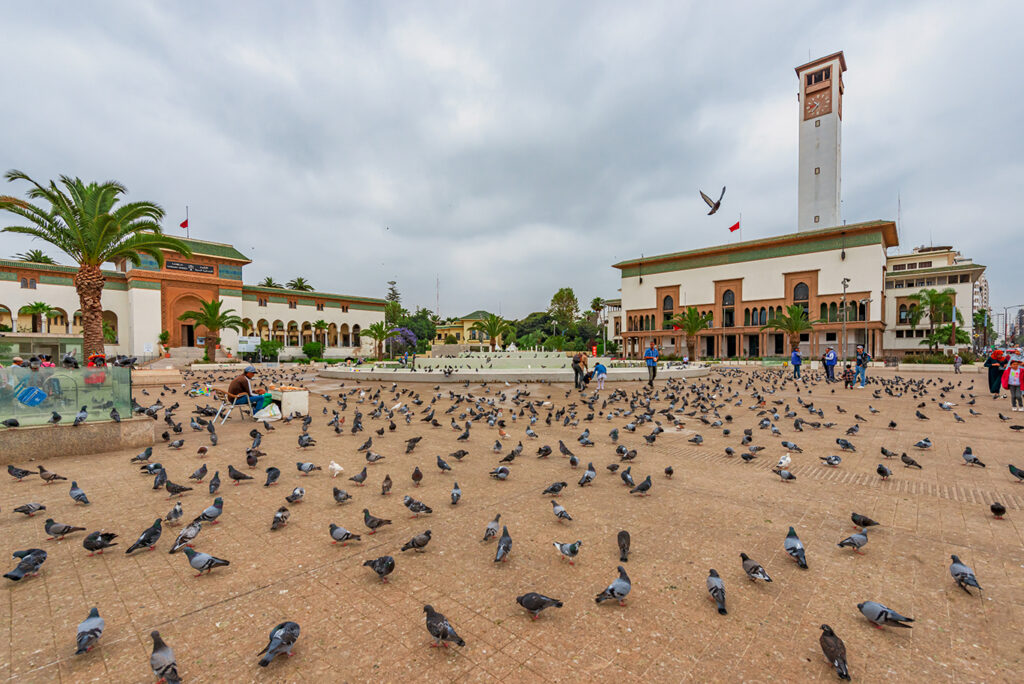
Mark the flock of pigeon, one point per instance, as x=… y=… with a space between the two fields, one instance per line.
x=509 y=416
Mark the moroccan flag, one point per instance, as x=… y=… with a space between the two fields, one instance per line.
x=734 y=227
x=184 y=224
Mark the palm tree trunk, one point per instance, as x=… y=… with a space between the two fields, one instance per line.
x=89 y=286
x=211 y=345
x=691 y=347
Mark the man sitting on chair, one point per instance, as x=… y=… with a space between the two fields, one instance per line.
x=240 y=390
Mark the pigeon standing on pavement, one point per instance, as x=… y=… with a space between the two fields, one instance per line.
x=89 y=631
x=204 y=562
x=148 y=538
x=535 y=603
x=162 y=660
x=881 y=615
x=855 y=541
x=753 y=569
x=963 y=575
x=623 y=540
x=440 y=630
x=835 y=651
x=617 y=590
x=383 y=566
x=504 y=546
x=795 y=548
x=492 y=528
x=716 y=589
x=77 y=494
x=282 y=640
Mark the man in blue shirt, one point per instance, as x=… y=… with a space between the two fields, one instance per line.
x=651 y=357
x=795 y=361
x=831 y=359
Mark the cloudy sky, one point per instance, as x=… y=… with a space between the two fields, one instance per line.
x=514 y=148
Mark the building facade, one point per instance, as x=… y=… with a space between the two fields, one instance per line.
x=981 y=293
x=820 y=125
x=141 y=302
x=462 y=330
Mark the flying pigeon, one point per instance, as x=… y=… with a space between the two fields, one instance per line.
x=714 y=205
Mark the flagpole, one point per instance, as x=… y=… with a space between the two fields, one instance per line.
x=187 y=229
x=741 y=226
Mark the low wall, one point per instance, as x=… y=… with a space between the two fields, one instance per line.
x=37 y=442
x=500 y=375
x=156 y=377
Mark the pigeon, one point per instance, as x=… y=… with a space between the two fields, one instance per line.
x=162 y=660
x=442 y=464
x=80 y=417
x=569 y=551
x=920 y=416
x=588 y=475
x=176 y=444
x=212 y=512
x=89 y=631
x=272 y=475
x=372 y=522
x=296 y=495
x=95 y=542
x=416 y=507
x=713 y=204
x=716 y=589
x=383 y=566
x=883 y=472
x=795 y=548
x=49 y=477
x=440 y=630
x=963 y=575
x=307 y=468
x=282 y=640
x=148 y=538
x=970 y=458
x=418 y=543
x=845 y=445
x=13 y=423
x=335 y=469
x=559 y=511
x=862 y=520
x=544 y=451
x=753 y=569
x=30 y=509
x=340 y=534
x=417 y=476
x=31 y=561
x=881 y=615
x=623 y=540
x=385 y=485
x=784 y=475
x=199 y=474
x=501 y=473
x=204 y=562
x=306 y=441
x=831 y=460
x=504 y=546
x=855 y=541
x=175 y=489
x=998 y=510
x=17 y=473
x=492 y=528
x=617 y=590
x=1017 y=472
x=908 y=462
x=186 y=536
x=146 y=454
x=669 y=472
x=835 y=651
x=360 y=477
x=174 y=515
x=925 y=443
x=784 y=461
x=237 y=475
x=535 y=603
x=58 y=530
x=643 y=489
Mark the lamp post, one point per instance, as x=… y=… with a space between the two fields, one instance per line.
x=845 y=283
x=865 y=302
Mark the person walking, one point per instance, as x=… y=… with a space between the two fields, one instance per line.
x=863 y=359
x=831 y=359
x=996 y=364
x=1013 y=378
x=579 y=365
x=957 y=362
x=651 y=357
x=600 y=374
x=796 y=362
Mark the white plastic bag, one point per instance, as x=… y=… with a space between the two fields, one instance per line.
x=269 y=412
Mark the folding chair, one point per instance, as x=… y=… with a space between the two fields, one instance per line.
x=243 y=409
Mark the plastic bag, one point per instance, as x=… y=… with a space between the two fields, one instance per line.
x=269 y=412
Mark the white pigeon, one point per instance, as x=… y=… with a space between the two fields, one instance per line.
x=784 y=461
x=335 y=469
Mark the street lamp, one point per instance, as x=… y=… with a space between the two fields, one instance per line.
x=864 y=302
x=845 y=283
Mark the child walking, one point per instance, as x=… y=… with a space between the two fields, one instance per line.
x=848 y=376
x=600 y=373
x=1012 y=380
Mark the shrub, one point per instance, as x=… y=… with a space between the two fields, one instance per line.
x=313 y=350
x=451 y=339
x=270 y=348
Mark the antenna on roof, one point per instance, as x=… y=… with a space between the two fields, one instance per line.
x=437 y=294
x=899 y=215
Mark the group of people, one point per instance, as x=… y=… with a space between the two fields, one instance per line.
x=1005 y=372
x=581 y=375
x=830 y=359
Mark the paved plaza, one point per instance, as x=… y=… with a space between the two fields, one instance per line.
x=356 y=628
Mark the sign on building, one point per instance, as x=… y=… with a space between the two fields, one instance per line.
x=248 y=344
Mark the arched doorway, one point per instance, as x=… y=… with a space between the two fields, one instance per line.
x=184 y=333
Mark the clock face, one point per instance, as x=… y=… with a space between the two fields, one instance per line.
x=817 y=104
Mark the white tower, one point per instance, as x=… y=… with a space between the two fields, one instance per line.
x=821 y=113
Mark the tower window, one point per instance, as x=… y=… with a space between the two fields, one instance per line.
x=819 y=76
x=817 y=123
x=817 y=219
x=817 y=170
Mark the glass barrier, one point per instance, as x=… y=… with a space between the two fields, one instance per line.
x=33 y=396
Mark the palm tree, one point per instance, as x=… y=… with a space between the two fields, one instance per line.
x=299 y=284
x=83 y=221
x=270 y=282
x=321 y=326
x=937 y=305
x=691 y=322
x=39 y=311
x=214 y=320
x=379 y=332
x=493 y=327
x=792 y=323
x=35 y=256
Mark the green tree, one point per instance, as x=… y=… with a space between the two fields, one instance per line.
x=936 y=305
x=85 y=222
x=792 y=323
x=379 y=333
x=299 y=284
x=109 y=333
x=691 y=322
x=494 y=327
x=393 y=313
x=393 y=295
x=321 y=327
x=214 y=319
x=35 y=256
x=538 y=322
x=984 y=328
x=451 y=339
x=270 y=282
x=564 y=307
x=40 y=311
x=313 y=350
x=944 y=334
x=269 y=349
x=423 y=324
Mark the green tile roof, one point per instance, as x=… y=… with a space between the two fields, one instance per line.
x=323 y=295
x=476 y=316
x=54 y=268
x=215 y=249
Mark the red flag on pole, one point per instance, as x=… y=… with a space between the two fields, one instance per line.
x=184 y=224
x=734 y=227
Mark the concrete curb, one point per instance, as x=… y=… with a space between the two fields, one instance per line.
x=37 y=442
x=502 y=375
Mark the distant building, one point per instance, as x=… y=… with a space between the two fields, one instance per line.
x=610 y=319
x=462 y=330
x=981 y=293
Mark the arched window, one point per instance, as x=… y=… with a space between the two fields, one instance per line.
x=667 y=305
x=903 y=313
x=728 y=298
x=728 y=313
x=833 y=312
x=355 y=336
x=763 y=316
x=800 y=292
x=862 y=312
x=824 y=312
x=746 y=316
x=771 y=312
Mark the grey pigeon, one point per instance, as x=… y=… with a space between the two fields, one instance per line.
x=753 y=569
x=504 y=546
x=862 y=520
x=306 y=468
x=535 y=603
x=162 y=660
x=883 y=471
x=80 y=417
x=204 y=562
x=554 y=488
x=213 y=512
x=501 y=473
x=437 y=625
x=417 y=508
x=280 y=518
x=908 y=462
x=588 y=475
x=881 y=616
x=456 y=494
x=835 y=651
x=623 y=541
x=418 y=543
x=716 y=589
x=340 y=534
x=282 y=640
x=383 y=566
x=492 y=528
x=272 y=475
x=569 y=551
x=296 y=496
x=199 y=473
x=795 y=548
x=31 y=561
x=148 y=538
x=29 y=509
x=174 y=515
x=186 y=536
x=617 y=590
x=713 y=204
x=559 y=511
x=341 y=496
x=970 y=458
x=855 y=541
x=77 y=494
x=831 y=460
x=58 y=530
x=89 y=631
x=963 y=575
x=644 y=488
x=96 y=542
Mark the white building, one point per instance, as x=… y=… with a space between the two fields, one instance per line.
x=981 y=293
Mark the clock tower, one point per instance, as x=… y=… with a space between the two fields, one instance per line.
x=821 y=113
